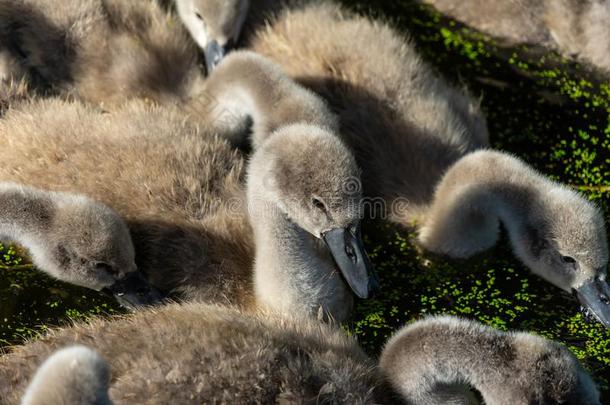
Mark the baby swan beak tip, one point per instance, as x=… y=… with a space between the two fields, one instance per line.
x=214 y=54
x=594 y=295
x=134 y=291
x=347 y=249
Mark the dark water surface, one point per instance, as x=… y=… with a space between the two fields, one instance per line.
x=552 y=113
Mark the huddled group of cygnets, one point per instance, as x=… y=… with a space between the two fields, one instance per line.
x=126 y=168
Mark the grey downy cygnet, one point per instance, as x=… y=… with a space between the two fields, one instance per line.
x=198 y=353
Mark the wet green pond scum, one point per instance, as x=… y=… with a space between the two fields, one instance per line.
x=553 y=113
x=31 y=302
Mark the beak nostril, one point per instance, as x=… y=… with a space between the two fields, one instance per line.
x=349 y=250
x=350 y=257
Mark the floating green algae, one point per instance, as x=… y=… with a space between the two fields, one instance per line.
x=553 y=113
x=31 y=302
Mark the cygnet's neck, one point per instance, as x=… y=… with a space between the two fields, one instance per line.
x=294 y=272
x=481 y=190
x=436 y=361
x=246 y=88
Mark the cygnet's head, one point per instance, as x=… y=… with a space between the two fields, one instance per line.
x=72 y=376
x=214 y=24
x=312 y=178
x=87 y=244
x=565 y=242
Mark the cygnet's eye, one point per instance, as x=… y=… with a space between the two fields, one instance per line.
x=568 y=260
x=318 y=204
x=106 y=268
x=198 y=15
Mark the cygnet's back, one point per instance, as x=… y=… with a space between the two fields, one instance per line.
x=101 y=51
x=198 y=353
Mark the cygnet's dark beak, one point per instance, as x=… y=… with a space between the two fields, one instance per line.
x=214 y=54
x=347 y=249
x=134 y=291
x=594 y=296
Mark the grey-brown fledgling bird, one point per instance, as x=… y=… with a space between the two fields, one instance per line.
x=198 y=353
x=71 y=237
